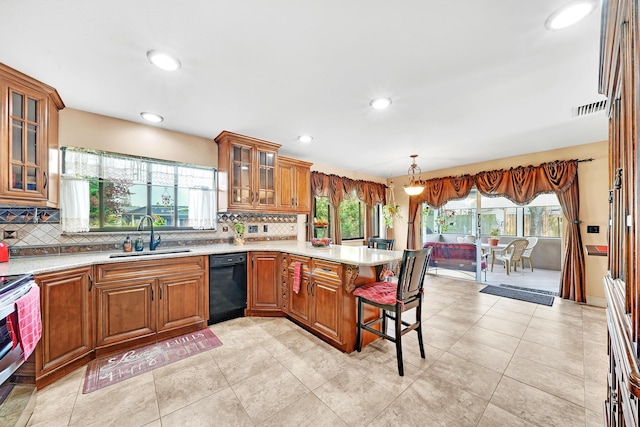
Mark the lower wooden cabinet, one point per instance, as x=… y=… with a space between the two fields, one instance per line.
x=318 y=304
x=67 y=323
x=149 y=300
x=263 y=289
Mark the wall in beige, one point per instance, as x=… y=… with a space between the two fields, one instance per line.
x=88 y=130
x=593 y=180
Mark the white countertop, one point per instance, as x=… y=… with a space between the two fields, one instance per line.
x=353 y=255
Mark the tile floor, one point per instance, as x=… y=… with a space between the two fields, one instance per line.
x=490 y=362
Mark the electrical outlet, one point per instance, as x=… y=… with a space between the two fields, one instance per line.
x=593 y=229
x=253 y=229
x=265 y=228
x=10 y=234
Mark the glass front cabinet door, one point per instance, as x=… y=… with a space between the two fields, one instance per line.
x=250 y=164
x=29 y=130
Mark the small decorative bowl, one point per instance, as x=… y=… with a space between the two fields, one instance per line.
x=319 y=243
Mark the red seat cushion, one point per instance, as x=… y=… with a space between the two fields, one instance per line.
x=380 y=292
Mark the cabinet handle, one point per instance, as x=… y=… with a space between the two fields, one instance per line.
x=161 y=292
x=90 y=282
x=46 y=179
x=293 y=201
x=312 y=285
x=252 y=259
x=308 y=288
x=151 y=294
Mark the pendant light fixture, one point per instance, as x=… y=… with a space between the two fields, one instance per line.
x=414 y=187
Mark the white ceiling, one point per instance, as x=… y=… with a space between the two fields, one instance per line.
x=470 y=80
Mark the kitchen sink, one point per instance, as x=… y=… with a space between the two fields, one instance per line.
x=147 y=253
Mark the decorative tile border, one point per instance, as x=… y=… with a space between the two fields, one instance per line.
x=28 y=215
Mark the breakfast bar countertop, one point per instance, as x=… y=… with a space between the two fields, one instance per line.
x=352 y=255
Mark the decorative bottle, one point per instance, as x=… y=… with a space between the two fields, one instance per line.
x=139 y=244
x=128 y=244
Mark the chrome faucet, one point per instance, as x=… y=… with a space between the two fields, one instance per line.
x=153 y=244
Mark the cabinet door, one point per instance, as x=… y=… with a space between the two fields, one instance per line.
x=181 y=301
x=125 y=310
x=241 y=176
x=264 y=286
x=299 y=303
x=303 y=189
x=67 y=319
x=265 y=186
x=326 y=308
x=286 y=177
x=28 y=134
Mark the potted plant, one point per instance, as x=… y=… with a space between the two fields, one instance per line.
x=390 y=211
x=495 y=234
x=238 y=228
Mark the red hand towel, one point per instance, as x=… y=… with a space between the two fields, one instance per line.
x=29 y=323
x=12 y=328
x=297 y=271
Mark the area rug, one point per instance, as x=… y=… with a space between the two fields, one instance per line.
x=128 y=364
x=519 y=295
x=537 y=291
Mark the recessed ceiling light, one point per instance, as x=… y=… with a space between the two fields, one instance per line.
x=152 y=117
x=305 y=138
x=569 y=14
x=380 y=103
x=163 y=60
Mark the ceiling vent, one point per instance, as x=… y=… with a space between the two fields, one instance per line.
x=594 y=107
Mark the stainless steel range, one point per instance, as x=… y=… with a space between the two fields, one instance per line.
x=12 y=288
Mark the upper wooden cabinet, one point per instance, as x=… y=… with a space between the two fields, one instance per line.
x=294 y=185
x=247 y=173
x=28 y=133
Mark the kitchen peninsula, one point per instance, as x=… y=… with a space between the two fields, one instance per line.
x=98 y=284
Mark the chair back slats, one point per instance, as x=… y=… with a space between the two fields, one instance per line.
x=376 y=243
x=412 y=271
x=518 y=248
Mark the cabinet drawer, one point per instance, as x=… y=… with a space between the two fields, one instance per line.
x=327 y=269
x=305 y=261
x=155 y=268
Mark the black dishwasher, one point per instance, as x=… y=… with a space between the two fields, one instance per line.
x=227 y=286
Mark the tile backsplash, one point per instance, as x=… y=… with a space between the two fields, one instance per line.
x=36 y=231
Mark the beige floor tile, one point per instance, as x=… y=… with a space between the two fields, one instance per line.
x=291 y=343
x=50 y=422
x=560 y=340
x=447 y=324
x=52 y=407
x=458 y=315
x=516 y=306
x=497 y=417
x=548 y=379
x=503 y=326
x=553 y=326
x=307 y=411
x=439 y=338
x=536 y=406
x=180 y=387
x=510 y=315
x=571 y=318
x=17 y=401
x=594 y=395
x=492 y=339
x=315 y=366
x=469 y=376
x=267 y=392
x=481 y=354
x=154 y=423
x=219 y=409
x=354 y=397
x=240 y=364
x=442 y=401
x=131 y=402
x=594 y=419
x=571 y=362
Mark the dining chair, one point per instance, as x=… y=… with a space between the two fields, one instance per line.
x=376 y=243
x=511 y=254
x=533 y=241
x=393 y=299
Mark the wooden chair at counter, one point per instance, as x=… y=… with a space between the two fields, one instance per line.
x=386 y=244
x=396 y=298
x=375 y=243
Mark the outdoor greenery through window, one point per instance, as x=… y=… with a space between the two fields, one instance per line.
x=352 y=218
x=123 y=189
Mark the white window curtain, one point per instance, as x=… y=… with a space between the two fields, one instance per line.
x=202 y=209
x=74 y=205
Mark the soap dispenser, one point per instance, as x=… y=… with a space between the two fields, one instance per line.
x=128 y=244
x=139 y=243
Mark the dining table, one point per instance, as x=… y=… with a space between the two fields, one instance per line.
x=487 y=248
